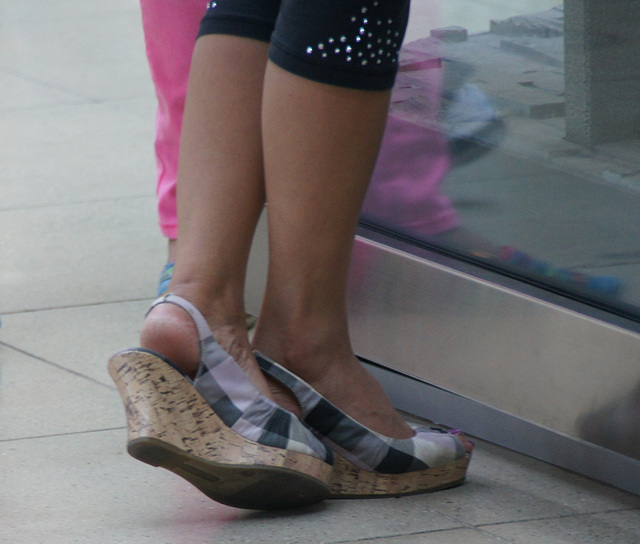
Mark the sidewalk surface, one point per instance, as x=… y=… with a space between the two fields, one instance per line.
x=81 y=253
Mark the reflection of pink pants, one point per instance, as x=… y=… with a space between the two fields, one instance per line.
x=170 y=30
x=406 y=187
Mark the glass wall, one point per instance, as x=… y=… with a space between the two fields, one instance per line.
x=512 y=142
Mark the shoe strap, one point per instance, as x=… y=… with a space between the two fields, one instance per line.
x=201 y=323
x=306 y=395
x=211 y=353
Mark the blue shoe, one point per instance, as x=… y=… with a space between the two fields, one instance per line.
x=602 y=285
x=368 y=464
x=471 y=124
x=218 y=431
x=165 y=278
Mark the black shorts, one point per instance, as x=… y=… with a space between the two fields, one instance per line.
x=347 y=43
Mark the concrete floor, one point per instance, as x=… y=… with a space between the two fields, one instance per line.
x=80 y=257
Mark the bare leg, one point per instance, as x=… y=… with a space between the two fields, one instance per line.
x=320 y=145
x=220 y=197
x=320 y=148
x=172 y=249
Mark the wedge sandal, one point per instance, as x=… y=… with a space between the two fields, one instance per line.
x=368 y=464
x=218 y=431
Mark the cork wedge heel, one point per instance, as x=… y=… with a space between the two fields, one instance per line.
x=218 y=432
x=350 y=481
x=368 y=464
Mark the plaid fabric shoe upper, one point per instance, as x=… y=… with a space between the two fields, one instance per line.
x=367 y=449
x=238 y=403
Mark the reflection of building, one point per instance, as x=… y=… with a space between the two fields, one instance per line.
x=602 y=46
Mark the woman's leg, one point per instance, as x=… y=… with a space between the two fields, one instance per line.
x=220 y=197
x=320 y=145
x=309 y=148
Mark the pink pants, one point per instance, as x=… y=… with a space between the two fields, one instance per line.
x=170 y=30
x=406 y=187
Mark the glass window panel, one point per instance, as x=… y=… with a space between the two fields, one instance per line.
x=512 y=140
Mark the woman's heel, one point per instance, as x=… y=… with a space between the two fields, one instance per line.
x=170 y=425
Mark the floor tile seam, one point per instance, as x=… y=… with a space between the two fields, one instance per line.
x=457 y=525
x=48 y=85
x=481 y=528
x=400 y=534
x=560 y=517
x=78 y=203
x=78 y=15
x=58 y=366
x=492 y=536
x=59 y=103
x=148 y=299
x=81 y=99
x=22 y=22
x=55 y=435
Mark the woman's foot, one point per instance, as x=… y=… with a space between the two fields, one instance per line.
x=339 y=376
x=368 y=464
x=327 y=363
x=170 y=331
x=218 y=432
x=352 y=389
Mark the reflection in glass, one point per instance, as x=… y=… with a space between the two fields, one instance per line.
x=518 y=149
x=476 y=158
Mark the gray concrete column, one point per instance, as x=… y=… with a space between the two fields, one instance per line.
x=602 y=64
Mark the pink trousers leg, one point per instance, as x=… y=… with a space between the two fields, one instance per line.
x=170 y=30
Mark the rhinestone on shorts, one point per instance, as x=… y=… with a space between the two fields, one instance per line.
x=372 y=39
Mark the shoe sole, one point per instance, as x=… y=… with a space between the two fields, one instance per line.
x=351 y=482
x=171 y=426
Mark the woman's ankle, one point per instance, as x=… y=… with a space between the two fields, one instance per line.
x=170 y=331
x=303 y=351
x=330 y=366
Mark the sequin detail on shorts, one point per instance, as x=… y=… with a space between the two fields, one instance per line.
x=372 y=40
